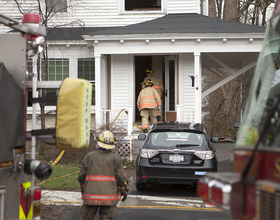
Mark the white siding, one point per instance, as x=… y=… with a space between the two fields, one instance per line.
x=182 y=6
x=186 y=63
x=121 y=85
x=97 y=13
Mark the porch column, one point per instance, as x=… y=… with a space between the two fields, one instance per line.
x=130 y=120
x=197 y=75
x=179 y=110
x=97 y=89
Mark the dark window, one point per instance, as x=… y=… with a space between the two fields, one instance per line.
x=143 y=5
x=86 y=69
x=56 y=6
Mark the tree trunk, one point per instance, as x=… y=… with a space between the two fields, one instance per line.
x=230 y=9
x=212 y=8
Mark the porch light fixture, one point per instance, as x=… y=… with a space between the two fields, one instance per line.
x=96 y=42
x=147 y=41
x=198 y=40
x=121 y=41
x=173 y=41
x=224 y=40
x=67 y=45
x=251 y=40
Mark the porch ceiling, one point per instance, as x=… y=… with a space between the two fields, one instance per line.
x=227 y=66
x=232 y=60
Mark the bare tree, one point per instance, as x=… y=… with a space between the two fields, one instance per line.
x=248 y=11
x=47 y=9
x=226 y=104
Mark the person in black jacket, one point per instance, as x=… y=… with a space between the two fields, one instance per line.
x=102 y=179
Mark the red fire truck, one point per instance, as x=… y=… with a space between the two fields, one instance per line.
x=252 y=190
x=19 y=195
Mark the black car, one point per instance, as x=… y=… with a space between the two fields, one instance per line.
x=174 y=153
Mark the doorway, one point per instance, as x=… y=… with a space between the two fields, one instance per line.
x=165 y=69
x=141 y=63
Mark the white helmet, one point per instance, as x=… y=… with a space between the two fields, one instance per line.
x=106 y=140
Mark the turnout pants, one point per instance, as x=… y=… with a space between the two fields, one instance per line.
x=145 y=114
x=106 y=212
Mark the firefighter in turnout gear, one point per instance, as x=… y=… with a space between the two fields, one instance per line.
x=102 y=179
x=149 y=105
x=157 y=84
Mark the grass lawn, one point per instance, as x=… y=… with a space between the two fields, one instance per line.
x=63 y=177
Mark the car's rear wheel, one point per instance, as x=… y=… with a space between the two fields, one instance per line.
x=141 y=186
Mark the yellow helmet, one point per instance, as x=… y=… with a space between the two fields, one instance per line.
x=149 y=71
x=106 y=140
x=149 y=82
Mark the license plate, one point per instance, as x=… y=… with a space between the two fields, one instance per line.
x=176 y=158
x=199 y=173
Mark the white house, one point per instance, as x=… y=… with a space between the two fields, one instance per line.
x=111 y=42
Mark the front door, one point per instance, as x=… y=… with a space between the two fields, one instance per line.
x=170 y=88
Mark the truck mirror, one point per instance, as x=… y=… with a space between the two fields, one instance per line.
x=141 y=137
x=215 y=139
x=236 y=124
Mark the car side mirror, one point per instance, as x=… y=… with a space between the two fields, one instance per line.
x=141 y=137
x=215 y=139
x=236 y=124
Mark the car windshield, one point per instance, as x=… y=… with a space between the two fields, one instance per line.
x=178 y=139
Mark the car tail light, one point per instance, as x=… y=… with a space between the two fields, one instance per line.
x=37 y=203
x=148 y=153
x=37 y=194
x=204 y=155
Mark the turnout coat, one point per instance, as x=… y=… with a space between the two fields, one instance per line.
x=100 y=176
x=148 y=99
x=157 y=84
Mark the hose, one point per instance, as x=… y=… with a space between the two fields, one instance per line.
x=62 y=152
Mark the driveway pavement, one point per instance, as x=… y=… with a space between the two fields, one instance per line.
x=224 y=153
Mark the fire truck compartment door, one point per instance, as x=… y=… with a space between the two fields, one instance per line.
x=11 y=115
x=73 y=114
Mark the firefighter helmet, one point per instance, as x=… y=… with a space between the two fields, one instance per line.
x=106 y=140
x=149 y=71
x=149 y=82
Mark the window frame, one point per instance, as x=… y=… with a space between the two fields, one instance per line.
x=62 y=67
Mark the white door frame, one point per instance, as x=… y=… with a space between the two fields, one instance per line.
x=166 y=86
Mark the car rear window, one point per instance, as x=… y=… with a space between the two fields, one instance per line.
x=169 y=139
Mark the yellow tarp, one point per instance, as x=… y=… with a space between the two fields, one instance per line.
x=73 y=114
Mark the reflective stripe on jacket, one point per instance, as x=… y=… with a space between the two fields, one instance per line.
x=148 y=98
x=101 y=173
